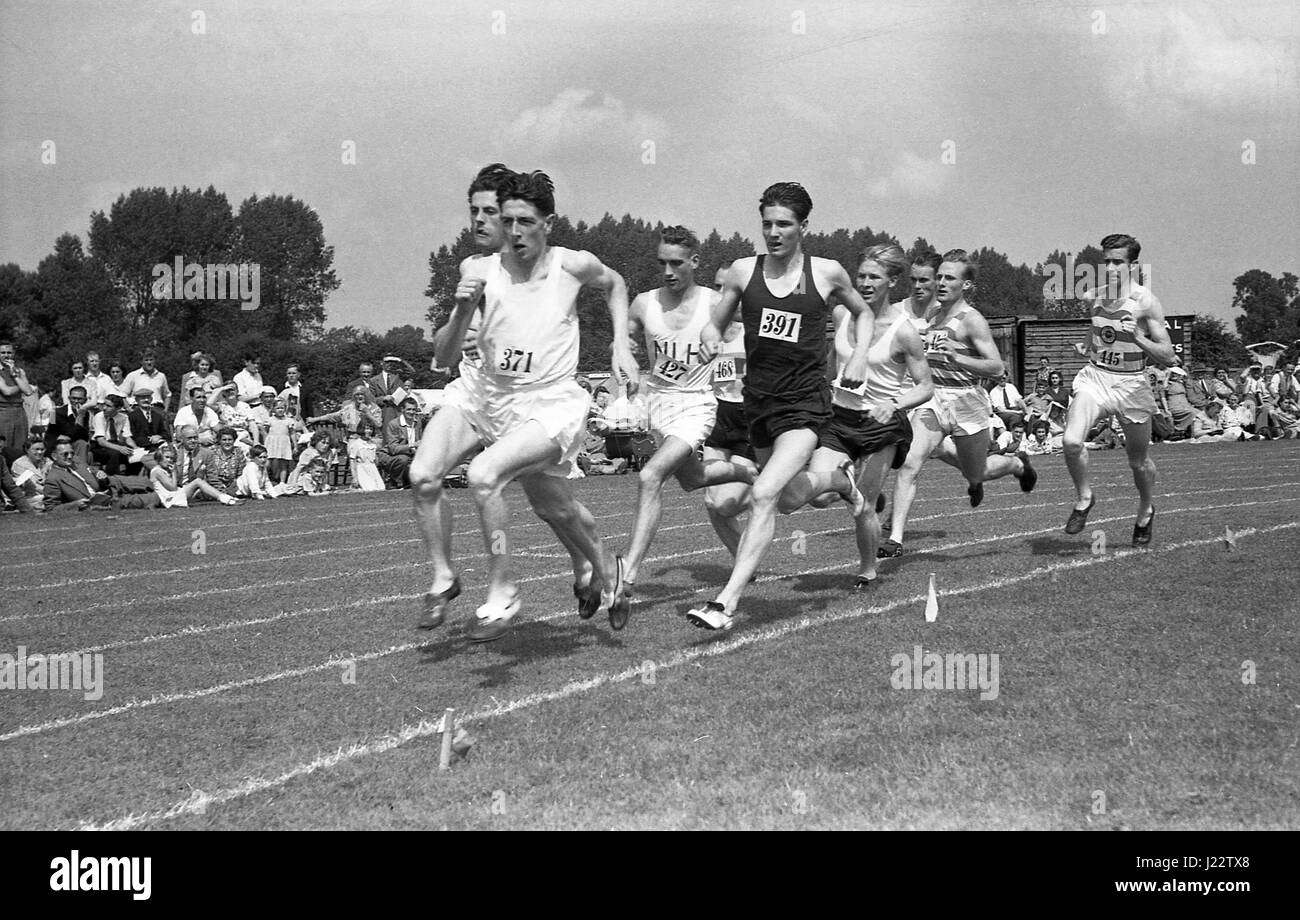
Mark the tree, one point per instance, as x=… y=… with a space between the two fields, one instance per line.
x=1003 y=289
x=1270 y=305
x=286 y=240
x=1072 y=272
x=1214 y=345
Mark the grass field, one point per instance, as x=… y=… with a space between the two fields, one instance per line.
x=1124 y=695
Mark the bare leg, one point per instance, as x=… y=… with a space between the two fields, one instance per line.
x=811 y=486
x=724 y=504
x=574 y=526
x=1078 y=422
x=447 y=441
x=867 y=524
x=1137 y=443
x=926 y=436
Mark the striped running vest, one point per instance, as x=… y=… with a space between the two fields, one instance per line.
x=942 y=369
x=677 y=362
x=1112 y=348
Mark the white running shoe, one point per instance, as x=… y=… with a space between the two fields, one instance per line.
x=711 y=615
x=492 y=621
x=856 y=500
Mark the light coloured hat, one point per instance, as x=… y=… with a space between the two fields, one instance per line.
x=142 y=391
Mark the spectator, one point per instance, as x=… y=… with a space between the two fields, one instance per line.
x=362 y=452
x=1040 y=444
x=1177 y=407
x=365 y=373
x=72 y=486
x=262 y=412
x=295 y=389
x=1105 y=435
x=14 y=386
x=1008 y=404
x=249 y=380
x=193 y=460
x=1223 y=387
x=1058 y=391
x=234 y=413
x=72 y=422
x=317 y=449
x=1284 y=384
x=40 y=411
x=1038 y=405
x=111 y=443
x=98 y=384
x=1010 y=442
x=384 y=385
x=116 y=379
x=202 y=372
x=401 y=438
x=281 y=434
x=78 y=379
x=14 y=493
x=349 y=416
x=29 y=470
x=228 y=461
x=148 y=421
x=1200 y=392
x=148 y=375
x=197 y=415
x=167 y=483
x=1044 y=374
x=253 y=481
x=1237 y=421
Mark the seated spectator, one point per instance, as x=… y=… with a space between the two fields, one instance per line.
x=111 y=445
x=1237 y=421
x=148 y=375
x=1200 y=392
x=167 y=483
x=1223 y=387
x=592 y=460
x=72 y=422
x=202 y=373
x=228 y=462
x=29 y=469
x=1009 y=442
x=362 y=453
x=13 y=494
x=148 y=421
x=234 y=413
x=1007 y=402
x=1041 y=443
x=70 y=486
x=261 y=412
x=361 y=405
x=249 y=381
x=308 y=479
x=198 y=416
x=1038 y=405
x=1105 y=435
x=319 y=448
x=193 y=460
x=78 y=379
x=1287 y=417
x=401 y=438
x=253 y=481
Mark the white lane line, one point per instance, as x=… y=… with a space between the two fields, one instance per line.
x=199 y=802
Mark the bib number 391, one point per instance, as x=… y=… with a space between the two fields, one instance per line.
x=515 y=362
x=779 y=325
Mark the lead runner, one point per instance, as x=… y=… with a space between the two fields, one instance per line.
x=785 y=299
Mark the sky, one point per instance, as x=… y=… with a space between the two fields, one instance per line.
x=1025 y=125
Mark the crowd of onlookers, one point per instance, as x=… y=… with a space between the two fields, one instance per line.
x=126 y=439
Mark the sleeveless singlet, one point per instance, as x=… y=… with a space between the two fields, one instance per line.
x=471 y=359
x=729 y=369
x=785 y=337
x=885 y=376
x=529 y=335
x=944 y=372
x=677 y=363
x=1112 y=348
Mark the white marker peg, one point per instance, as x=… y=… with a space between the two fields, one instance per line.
x=931 y=603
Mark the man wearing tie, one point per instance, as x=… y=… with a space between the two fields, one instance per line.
x=1008 y=404
x=71 y=422
x=401 y=438
x=192 y=460
x=385 y=384
x=70 y=485
x=111 y=440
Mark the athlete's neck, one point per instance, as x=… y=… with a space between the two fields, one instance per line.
x=947 y=311
x=671 y=301
x=518 y=265
x=919 y=309
x=782 y=266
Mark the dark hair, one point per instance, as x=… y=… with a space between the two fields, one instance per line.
x=678 y=235
x=790 y=195
x=257 y=450
x=960 y=255
x=114 y=400
x=72 y=390
x=930 y=258
x=490 y=179
x=321 y=435
x=535 y=187
x=222 y=432
x=1122 y=241
x=1040 y=426
x=27 y=445
x=409 y=401
x=367 y=423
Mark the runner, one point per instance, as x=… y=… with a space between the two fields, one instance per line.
x=870 y=426
x=785 y=297
x=679 y=398
x=529 y=412
x=1128 y=326
x=953 y=426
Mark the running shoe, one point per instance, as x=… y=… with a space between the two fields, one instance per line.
x=436 y=604
x=976 y=493
x=492 y=621
x=889 y=549
x=856 y=500
x=1142 y=532
x=711 y=615
x=620 y=605
x=588 y=596
x=1029 y=477
x=863 y=583
x=1079 y=518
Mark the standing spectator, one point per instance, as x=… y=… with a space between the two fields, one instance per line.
x=365 y=373
x=98 y=384
x=14 y=386
x=148 y=375
x=78 y=379
x=385 y=384
x=262 y=412
x=199 y=416
x=362 y=452
x=1044 y=372
x=227 y=462
x=148 y=421
x=401 y=438
x=116 y=380
x=40 y=411
x=249 y=380
x=1008 y=404
x=29 y=469
x=280 y=435
x=111 y=443
x=294 y=387
x=1177 y=406
x=202 y=372
x=72 y=422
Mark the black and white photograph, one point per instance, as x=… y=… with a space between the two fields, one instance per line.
x=650 y=415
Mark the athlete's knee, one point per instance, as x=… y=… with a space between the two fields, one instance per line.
x=723 y=505
x=690 y=477
x=483 y=481
x=824 y=501
x=650 y=478
x=425 y=480
x=1073 y=444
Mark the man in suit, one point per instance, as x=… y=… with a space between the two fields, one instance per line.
x=72 y=486
x=401 y=439
x=72 y=422
x=385 y=384
x=294 y=388
x=365 y=373
x=193 y=461
x=148 y=422
x=112 y=440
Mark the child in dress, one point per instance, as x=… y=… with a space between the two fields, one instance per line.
x=253 y=481
x=279 y=443
x=361 y=452
x=163 y=477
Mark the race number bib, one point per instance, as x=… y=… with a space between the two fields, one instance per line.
x=472 y=356
x=934 y=341
x=514 y=362
x=779 y=325
x=728 y=369
x=1110 y=358
x=671 y=371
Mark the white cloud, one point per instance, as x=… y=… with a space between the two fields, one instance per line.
x=582 y=121
x=911 y=176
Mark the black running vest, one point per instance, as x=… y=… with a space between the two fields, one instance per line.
x=785 y=337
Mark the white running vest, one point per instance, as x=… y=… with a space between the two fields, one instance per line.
x=886 y=378
x=529 y=334
x=677 y=362
x=471 y=359
x=729 y=367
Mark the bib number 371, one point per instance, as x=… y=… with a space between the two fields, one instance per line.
x=779 y=325
x=515 y=362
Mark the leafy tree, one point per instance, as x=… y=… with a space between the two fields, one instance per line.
x=1270 y=306
x=1066 y=281
x=1003 y=289
x=1214 y=345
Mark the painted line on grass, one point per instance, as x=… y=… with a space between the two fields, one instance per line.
x=199 y=802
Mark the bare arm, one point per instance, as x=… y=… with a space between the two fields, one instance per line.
x=593 y=273
x=448 y=341
x=725 y=307
x=842 y=291
x=917 y=367
x=1154 y=338
x=989 y=363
